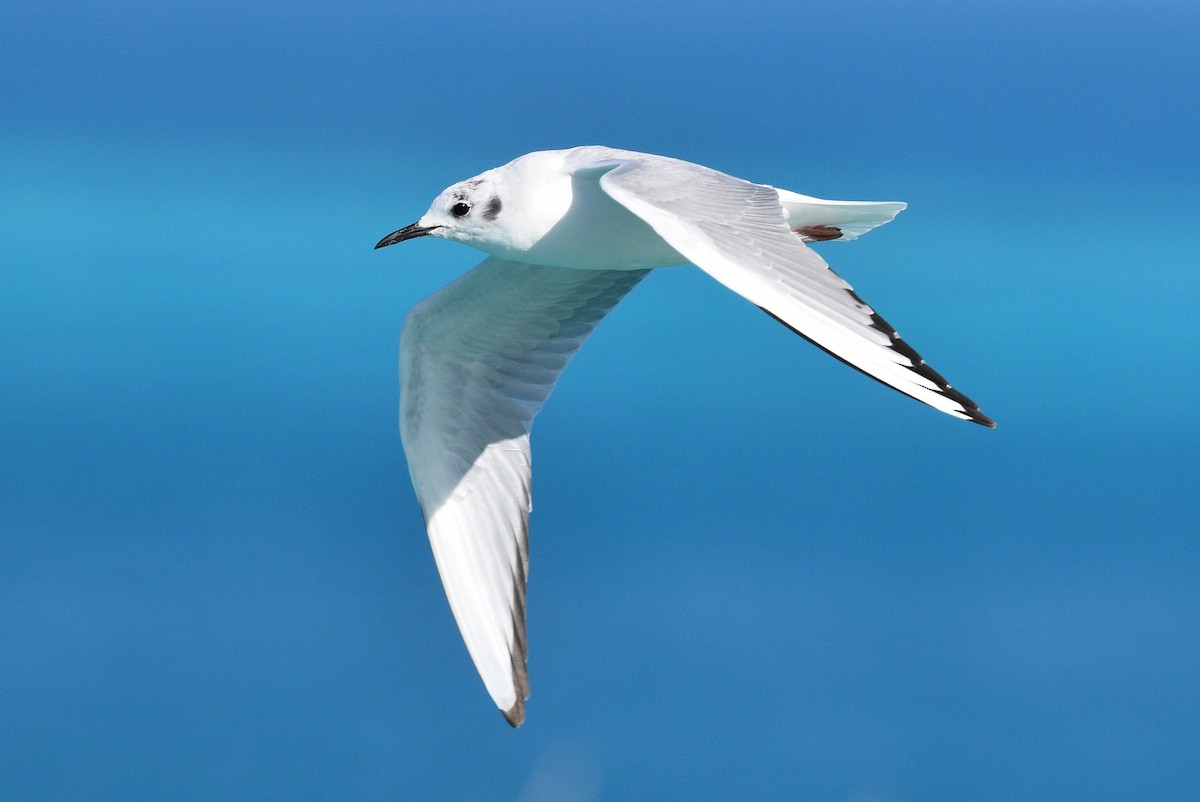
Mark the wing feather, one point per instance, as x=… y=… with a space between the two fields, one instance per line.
x=478 y=359
x=737 y=232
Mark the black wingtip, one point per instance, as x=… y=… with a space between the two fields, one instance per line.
x=969 y=408
x=981 y=419
x=515 y=715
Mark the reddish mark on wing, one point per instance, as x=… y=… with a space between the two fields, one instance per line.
x=817 y=233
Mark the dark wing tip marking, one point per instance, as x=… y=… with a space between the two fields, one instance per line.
x=919 y=366
x=515 y=715
x=520 y=652
x=981 y=419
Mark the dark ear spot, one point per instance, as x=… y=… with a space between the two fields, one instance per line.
x=492 y=209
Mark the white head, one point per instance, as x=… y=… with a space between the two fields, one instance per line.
x=503 y=211
x=465 y=212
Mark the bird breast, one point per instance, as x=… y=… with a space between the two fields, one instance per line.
x=597 y=233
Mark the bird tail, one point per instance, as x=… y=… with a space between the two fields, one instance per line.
x=815 y=220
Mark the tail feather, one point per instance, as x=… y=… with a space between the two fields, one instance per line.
x=815 y=220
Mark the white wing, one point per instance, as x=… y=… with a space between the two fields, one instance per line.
x=478 y=359
x=736 y=231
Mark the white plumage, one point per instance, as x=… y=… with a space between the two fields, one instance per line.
x=570 y=233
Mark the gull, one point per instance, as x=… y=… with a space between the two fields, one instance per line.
x=568 y=233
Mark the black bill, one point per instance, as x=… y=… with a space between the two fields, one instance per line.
x=408 y=232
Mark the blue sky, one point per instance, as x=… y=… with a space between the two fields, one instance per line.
x=755 y=573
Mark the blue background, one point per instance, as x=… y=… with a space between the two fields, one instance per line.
x=756 y=574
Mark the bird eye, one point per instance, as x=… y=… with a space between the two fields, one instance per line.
x=459 y=209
